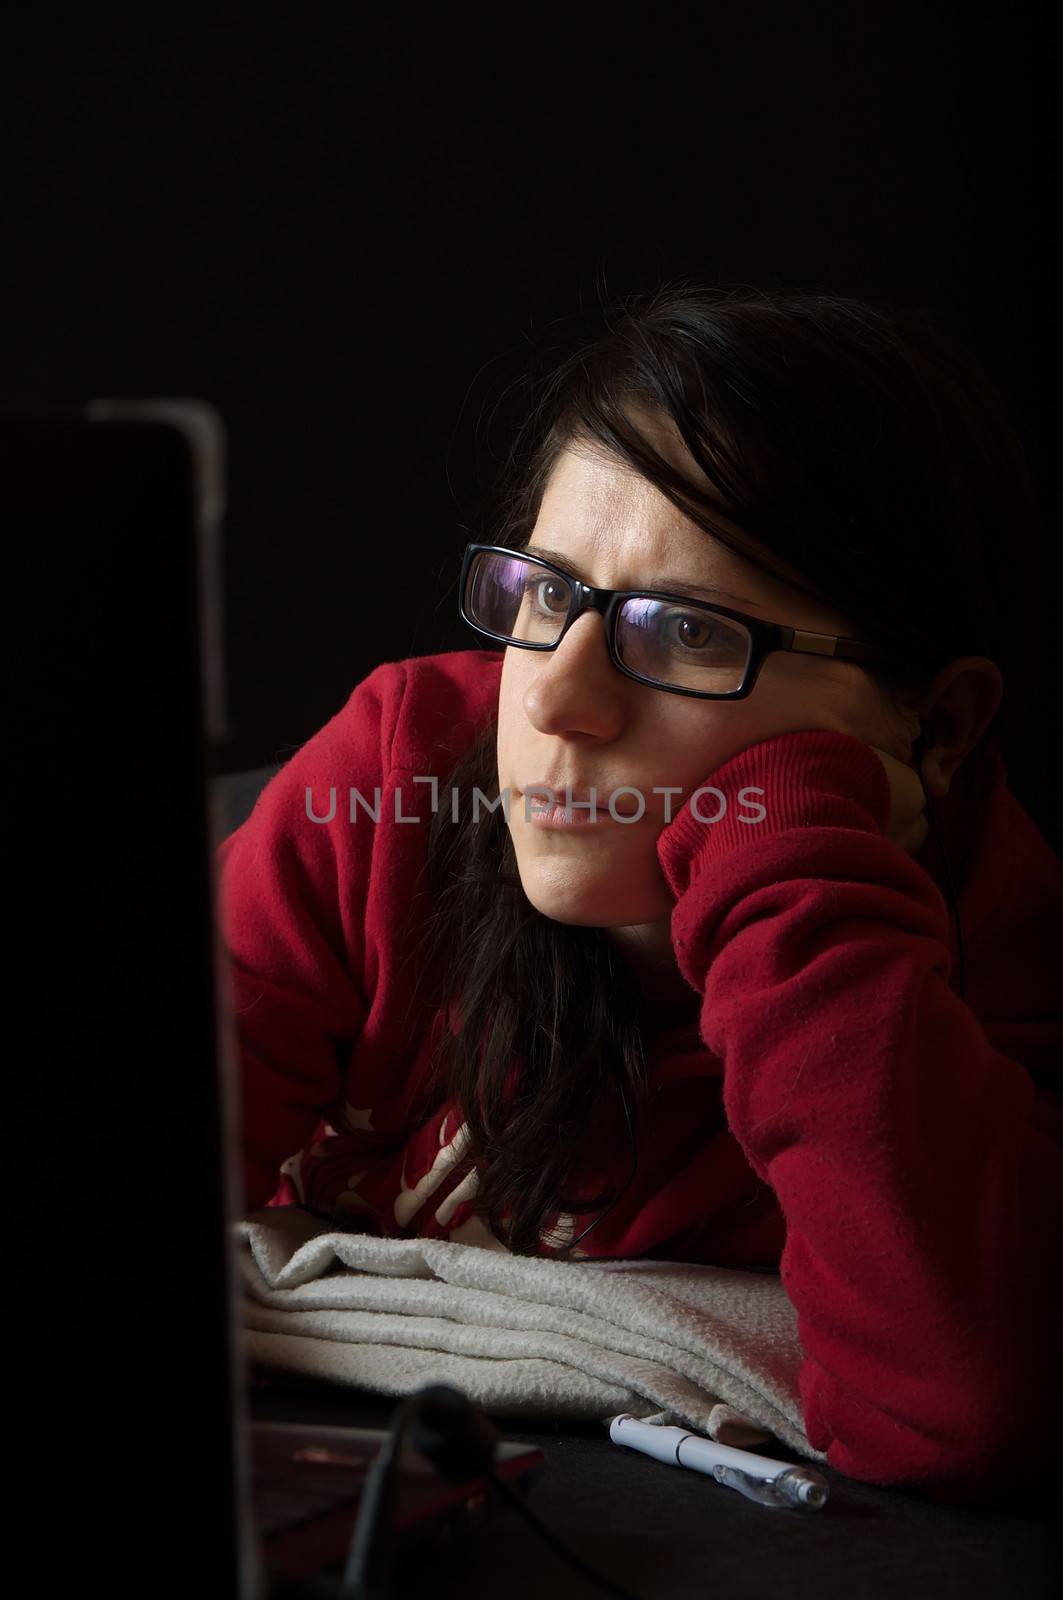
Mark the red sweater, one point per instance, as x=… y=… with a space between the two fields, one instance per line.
x=832 y=1110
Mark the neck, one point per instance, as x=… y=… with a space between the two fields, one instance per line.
x=648 y=955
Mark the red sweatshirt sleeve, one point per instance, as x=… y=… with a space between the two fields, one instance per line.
x=922 y=1202
x=292 y=896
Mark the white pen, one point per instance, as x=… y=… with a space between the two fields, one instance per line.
x=770 y=1483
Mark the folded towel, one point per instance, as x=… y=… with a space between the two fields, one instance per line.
x=708 y=1348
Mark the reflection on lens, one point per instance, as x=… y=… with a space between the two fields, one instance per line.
x=518 y=597
x=683 y=646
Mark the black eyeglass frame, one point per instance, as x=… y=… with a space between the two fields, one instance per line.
x=765 y=637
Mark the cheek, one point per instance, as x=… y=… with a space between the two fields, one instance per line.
x=838 y=695
x=795 y=692
x=511 y=718
x=697 y=745
x=502 y=748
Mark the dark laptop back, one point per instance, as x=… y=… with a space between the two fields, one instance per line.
x=133 y=1438
x=124 y=1364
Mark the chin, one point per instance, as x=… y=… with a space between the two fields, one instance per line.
x=587 y=900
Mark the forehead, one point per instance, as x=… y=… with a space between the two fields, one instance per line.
x=594 y=503
x=620 y=531
x=597 y=511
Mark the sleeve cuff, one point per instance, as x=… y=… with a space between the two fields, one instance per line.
x=815 y=778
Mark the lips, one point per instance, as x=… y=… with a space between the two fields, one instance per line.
x=625 y=804
x=559 y=789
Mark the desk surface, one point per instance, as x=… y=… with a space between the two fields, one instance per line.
x=661 y=1531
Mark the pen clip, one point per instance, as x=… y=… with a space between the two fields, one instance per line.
x=762 y=1490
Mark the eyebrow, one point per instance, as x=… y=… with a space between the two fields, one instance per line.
x=667 y=585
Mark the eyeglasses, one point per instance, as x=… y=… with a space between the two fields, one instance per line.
x=664 y=640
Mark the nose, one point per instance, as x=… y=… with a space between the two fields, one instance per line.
x=575 y=688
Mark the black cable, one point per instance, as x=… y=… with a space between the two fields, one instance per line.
x=368 y=1573
x=918 y=748
x=604 y=1583
x=459 y=1440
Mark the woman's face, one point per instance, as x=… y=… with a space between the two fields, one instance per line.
x=570 y=717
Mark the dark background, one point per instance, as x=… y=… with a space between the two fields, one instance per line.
x=351 y=231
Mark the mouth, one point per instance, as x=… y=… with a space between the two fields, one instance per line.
x=579 y=810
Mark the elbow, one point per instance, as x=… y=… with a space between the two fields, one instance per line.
x=972 y=1468
x=990 y=1448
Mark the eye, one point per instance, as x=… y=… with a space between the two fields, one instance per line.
x=551 y=595
x=691 y=630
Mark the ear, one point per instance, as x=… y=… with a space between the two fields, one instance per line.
x=959 y=705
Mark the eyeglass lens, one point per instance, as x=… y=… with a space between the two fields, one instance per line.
x=681 y=647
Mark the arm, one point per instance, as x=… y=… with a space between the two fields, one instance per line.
x=292 y=895
x=922 y=1199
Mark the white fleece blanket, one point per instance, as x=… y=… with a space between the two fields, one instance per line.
x=709 y=1348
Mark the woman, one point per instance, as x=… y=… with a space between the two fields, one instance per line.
x=787 y=1001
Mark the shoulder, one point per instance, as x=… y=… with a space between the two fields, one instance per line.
x=1009 y=873
x=1010 y=904
x=439 y=703
x=417 y=715
x=414 y=715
